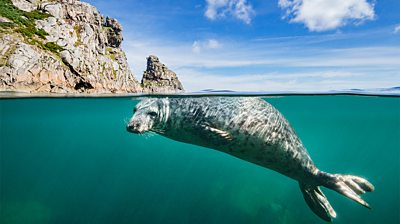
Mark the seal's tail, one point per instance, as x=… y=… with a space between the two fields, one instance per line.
x=317 y=201
x=347 y=185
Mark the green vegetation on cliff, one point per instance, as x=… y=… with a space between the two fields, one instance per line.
x=18 y=16
x=24 y=23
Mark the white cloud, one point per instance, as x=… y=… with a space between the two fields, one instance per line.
x=239 y=9
x=279 y=82
x=213 y=44
x=196 y=47
x=285 y=64
x=321 y=15
x=396 y=29
x=199 y=46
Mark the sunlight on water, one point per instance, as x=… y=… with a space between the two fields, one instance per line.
x=72 y=161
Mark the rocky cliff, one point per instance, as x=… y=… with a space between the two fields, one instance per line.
x=158 y=78
x=65 y=46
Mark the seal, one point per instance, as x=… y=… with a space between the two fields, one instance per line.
x=250 y=129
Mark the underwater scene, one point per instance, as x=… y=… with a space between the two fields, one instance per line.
x=73 y=160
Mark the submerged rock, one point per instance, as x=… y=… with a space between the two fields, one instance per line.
x=158 y=78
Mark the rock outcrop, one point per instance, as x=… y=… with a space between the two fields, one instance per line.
x=63 y=46
x=158 y=78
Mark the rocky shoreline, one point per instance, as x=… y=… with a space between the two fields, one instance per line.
x=68 y=47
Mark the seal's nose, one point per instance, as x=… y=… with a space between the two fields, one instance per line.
x=132 y=127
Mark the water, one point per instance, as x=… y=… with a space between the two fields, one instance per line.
x=72 y=161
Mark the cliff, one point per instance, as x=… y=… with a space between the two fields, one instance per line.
x=158 y=78
x=63 y=46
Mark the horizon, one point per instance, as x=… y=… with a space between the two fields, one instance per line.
x=252 y=45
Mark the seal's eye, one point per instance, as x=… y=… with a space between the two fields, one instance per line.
x=152 y=113
x=134 y=110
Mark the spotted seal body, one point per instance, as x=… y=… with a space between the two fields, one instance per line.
x=250 y=129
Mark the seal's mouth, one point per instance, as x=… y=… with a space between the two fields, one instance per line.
x=134 y=129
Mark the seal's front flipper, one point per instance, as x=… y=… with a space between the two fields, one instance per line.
x=218 y=133
x=317 y=202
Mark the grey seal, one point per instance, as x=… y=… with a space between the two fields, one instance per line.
x=250 y=129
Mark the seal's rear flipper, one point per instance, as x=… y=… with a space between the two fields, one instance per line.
x=347 y=185
x=317 y=201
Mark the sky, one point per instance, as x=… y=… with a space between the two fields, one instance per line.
x=264 y=45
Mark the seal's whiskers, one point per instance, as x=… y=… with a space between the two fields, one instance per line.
x=126 y=121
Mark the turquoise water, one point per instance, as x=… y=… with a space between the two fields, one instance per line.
x=72 y=161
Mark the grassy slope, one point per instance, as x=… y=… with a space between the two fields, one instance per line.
x=24 y=23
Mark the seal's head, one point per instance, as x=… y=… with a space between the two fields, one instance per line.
x=149 y=115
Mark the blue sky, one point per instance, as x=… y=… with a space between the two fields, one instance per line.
x=258 y=45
